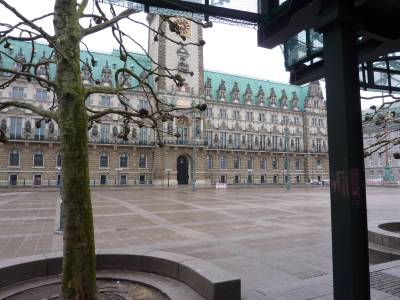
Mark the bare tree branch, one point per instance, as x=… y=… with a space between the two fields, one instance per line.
x=109 y=23
x=37 y=110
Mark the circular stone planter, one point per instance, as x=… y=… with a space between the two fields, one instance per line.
x=384 y=241
x=178 y=277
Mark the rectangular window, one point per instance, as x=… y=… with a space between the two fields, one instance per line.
x=249 y=116
x=209 y=162
x=261 y=117
x=103 y=179
x=37 y=180
x=223 y=114
x=18 y=92
x=41 y=95
x=222 y=139
x=263 y=144
x=144 y=104
x=142 y=179
x=14 y=158
x=103 y=161
x=318 y=145
x=237 y=178
x=13 y=179
x=209 y=112
x=263 y=164
x=297 y=178
x=142 y=161
x=183 y=135
x=274 y=142
x=298 y=164
x=38 y=159
x=250 y=141
x=209 y=135
x=236 y=140
x=123 y=161
x=105 y=101
x=275 y=179
x=296 y=121
x=236 y=163
x=297 y=144
x=274 y=118
x=58 y=160
x=250 y=164
x=15 y=128
x=262 y=178
x=122 y=179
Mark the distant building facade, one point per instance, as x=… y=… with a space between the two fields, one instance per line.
x=253 y=131
x=382 y=162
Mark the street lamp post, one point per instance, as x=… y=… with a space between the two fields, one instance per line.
x=194 y=152
x=168 y=171
x=287 y=178
x=61 y=223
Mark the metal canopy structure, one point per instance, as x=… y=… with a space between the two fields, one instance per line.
x=349 y=42
x=377 y=36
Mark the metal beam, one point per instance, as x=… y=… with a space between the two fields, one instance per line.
x=203 y=9
x=346 y=164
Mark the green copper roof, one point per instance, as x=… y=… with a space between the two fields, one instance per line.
x=102 y=59
x=254 y=84
x=113 y=61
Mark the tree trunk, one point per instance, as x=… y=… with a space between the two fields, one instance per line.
x=79 y=260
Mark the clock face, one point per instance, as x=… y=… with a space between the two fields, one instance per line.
x=184 y=26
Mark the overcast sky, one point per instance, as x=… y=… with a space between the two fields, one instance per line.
x=230 y=49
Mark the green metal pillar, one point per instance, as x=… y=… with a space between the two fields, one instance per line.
x=347 y=179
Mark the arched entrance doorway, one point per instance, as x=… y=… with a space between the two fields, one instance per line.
x=182 y=168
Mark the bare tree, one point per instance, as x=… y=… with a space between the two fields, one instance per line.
x=74 y=117
x=386 y=117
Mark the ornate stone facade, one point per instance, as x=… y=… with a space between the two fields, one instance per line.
x=253 y=131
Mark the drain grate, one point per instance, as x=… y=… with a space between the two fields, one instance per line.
x=310 y=273
x=385 y=283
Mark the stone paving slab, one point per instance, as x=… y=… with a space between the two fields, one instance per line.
x=278 y=242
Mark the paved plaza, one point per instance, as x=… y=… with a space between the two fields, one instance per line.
x=277 y=242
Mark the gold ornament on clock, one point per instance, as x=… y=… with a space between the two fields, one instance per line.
x=184 y=27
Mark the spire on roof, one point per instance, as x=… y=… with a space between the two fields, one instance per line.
x=235 y=92
x=284 y=99
x=272 y=97
x=260 y=96
x=248 y=94
x=221 y=90
x=106 y=73
x=86 y=72
x=295 y=101
x=19 y=60
x=43 y=65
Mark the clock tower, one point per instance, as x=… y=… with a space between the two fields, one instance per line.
x=177 y=54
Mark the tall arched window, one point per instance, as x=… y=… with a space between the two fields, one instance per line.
x=250 y=163
x=103 y=160
x=263 y=163
x=209 y=162
x=274 y=164
x=38 y=159
x=14 y=158
x=58 y=160
x=236 y=163
x=142 y=160
x=222 y=162
x=123 y=160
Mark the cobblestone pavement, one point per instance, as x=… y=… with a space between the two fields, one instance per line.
x=278 y=242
